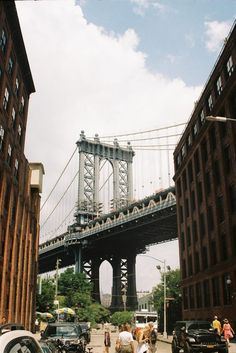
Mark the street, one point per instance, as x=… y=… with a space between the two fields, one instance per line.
x=98 y=346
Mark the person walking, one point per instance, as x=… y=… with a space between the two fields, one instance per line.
x=125 y=341
x=143 y=339
x=152 y=346
x=227 y=331
x=107 y=339
x=217 y=325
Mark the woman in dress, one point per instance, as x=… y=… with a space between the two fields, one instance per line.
x=142 y=339
x=227 y=331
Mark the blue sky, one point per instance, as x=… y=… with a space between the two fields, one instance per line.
x=112 y=67
x=171 y=32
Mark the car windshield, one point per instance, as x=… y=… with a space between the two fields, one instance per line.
x=63 y=330
x=200 y=326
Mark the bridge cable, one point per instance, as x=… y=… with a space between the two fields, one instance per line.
x=58 y=179
x=60 y=199
x=142 y=132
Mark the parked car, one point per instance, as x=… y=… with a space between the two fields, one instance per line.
x=69 y=333
x=197 y=336
x=86 y=331
x=10 y=327
x=19 y=341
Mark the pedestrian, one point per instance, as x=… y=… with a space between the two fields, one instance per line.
x=125 y=341
x=107 y=338
x=227 y=331
x=143 y=339
x=3 y=320
x=152 y=346
x=217 y=325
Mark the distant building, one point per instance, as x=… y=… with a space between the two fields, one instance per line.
x=20 y=182
x=205 y=178
x=145 y=301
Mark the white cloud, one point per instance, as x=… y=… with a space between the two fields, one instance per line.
x=216 y=32
x=140 y=6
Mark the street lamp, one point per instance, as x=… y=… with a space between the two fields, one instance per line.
x=164 y=287
x=222 y=119
x=124 y=297
x=56 y=301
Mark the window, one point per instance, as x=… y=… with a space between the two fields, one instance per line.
x=210 y=219
x=192 y=201
x=196 y=261
x=191 y=296
x=17 y=86
x=184 y=180
x=190 y=265
x=9 y=151
x=1 y=137
x=219 y=86
x=206 y=293
x=227 y=159
x=5 y=99
x=210 y=102
x=196 y=162
x=183 y=151
x=16 y=168
x=213 y=252
x=199 y=192
x=182 y=241
x=208 y=183
x=178 y=186
x=195 y=231
x=216 y=170
x=202 y=225
x=188 y=236
x=230 y=66
x=204 y=151
x=190 y=172
x=220 y=208
x=13 y=115
x=195 y=129
x=204 y=257
x=3 y=40
x=186 y=206
x=19 y=131
x=10 y=66
x=189 y=140
x=232 y=198
x=198 y=295
x=216 y=291
x=202 y=117
x=22 y=104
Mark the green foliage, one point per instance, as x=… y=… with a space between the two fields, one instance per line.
x=76 y=290
x=172 y=291
x=44 y=301
x=99 y=313
x=121 y=317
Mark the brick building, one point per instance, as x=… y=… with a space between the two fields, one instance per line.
x=205 y=179
x=20 y=182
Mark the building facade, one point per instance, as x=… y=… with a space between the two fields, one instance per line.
x=20 y=182
x=205 y=179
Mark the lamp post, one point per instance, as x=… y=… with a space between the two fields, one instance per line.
x=163 y=272
x=222 y=119
x=56 y=301
x=124 y=297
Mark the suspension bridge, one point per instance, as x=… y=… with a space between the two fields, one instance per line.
x=112 y=200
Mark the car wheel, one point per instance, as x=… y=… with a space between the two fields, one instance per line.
x=174 y=347
x=225 y=350
x=187 y=348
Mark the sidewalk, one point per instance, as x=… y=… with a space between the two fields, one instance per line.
x=232 y=348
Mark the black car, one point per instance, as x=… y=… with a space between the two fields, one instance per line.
x=197 y=336
x=86 y=331
x=69 y=334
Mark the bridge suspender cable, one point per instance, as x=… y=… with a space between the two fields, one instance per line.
x=59 y=200
x=58 y=179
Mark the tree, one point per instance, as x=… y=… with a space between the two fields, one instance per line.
x=121 y=317
x=174 y=306
x=76 y=289
x=44 y=301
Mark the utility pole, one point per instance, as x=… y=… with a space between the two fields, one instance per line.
x=56 y=301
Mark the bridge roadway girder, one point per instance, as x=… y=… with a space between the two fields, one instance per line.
x=136 y=235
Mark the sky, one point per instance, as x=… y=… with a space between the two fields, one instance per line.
x=112 y=67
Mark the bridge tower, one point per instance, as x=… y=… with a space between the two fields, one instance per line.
x=91 y=154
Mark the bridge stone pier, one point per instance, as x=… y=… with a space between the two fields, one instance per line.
x=123 y=277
